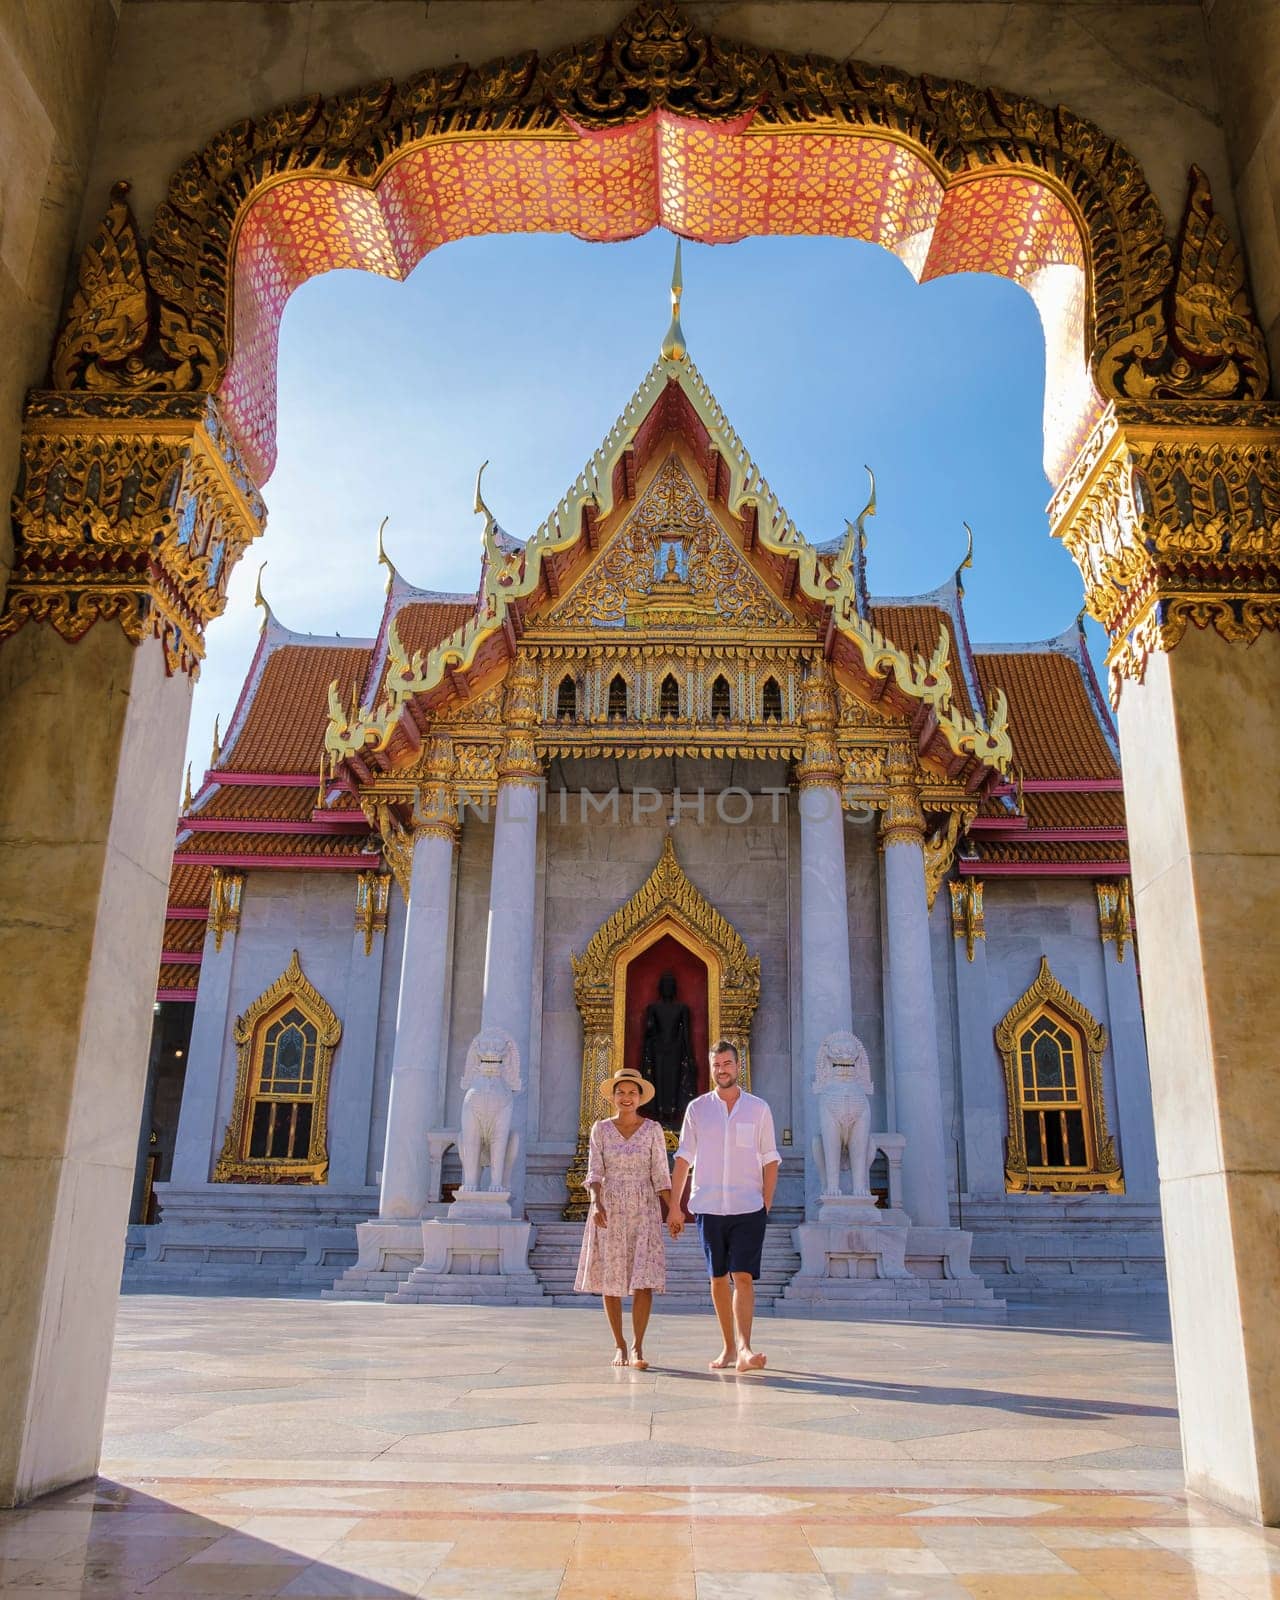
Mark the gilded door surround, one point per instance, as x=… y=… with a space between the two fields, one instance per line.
x=146 y=361
x=666 y=903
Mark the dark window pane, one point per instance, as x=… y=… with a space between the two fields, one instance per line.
x=280 y=1131
x=669 y=697
x=1075 y=1139
x=567 y=698
x=302 y=1131
x=1031 y=1132
x=1053 y=1146
x=772 y=701
x=258 y=1132
x=1048 y=1059
x=288 y=1053
x=720 y=698
x=618 y=696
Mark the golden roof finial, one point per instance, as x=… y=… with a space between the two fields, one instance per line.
x=215 y=754
x=320 y=795
x=673 y=346
x=968 y=557
x=384 y=560
x=186 y=790
x=260 y=599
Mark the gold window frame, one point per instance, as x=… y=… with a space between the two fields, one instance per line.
x=235 y=1165
x=1047 y=997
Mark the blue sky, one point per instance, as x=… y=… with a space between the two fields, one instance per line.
x=522 y=350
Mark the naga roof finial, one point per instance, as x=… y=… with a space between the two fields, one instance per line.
x=673 y=346
x=384 y=560
x=968 y=557
x=260 y=599
x=215 y=755
x=186 y=790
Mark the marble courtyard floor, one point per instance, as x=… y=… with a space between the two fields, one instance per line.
x=298 y=1447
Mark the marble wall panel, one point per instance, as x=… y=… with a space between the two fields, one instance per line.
x=470 y=932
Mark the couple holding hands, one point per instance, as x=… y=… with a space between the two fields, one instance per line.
x=727 y=1141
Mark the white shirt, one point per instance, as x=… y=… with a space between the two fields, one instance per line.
x=728 y=1151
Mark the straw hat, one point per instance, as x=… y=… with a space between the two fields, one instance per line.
x=627 y=1075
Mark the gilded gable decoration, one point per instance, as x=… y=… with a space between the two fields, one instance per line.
x=1115 y=915
x=278 y=1132
x=670 y=565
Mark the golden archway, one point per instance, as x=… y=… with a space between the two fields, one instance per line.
x=666 y=903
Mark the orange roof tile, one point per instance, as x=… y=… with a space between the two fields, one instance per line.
x=915 y=629
x=184 y=935
x=272 y=844
x=177 y=977
x=261 y=802
x=189 y=886
x=1066 y=810
x=283 y=729
x=1061 y=852
x=1052 y=722
x=423 y=624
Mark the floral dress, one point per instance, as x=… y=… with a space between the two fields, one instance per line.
x=628 y=1254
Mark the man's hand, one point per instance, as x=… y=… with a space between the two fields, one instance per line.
x=675 y=1224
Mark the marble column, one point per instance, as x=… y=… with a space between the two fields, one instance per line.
x=916 y=1071
x=86 y=835
x=354 y=1066
x=199 y=1136
x=826 y=984
x=985 y=1122
x=512 y=930
x=417 y=1061
x=1127 y=1037
x=1201 y=744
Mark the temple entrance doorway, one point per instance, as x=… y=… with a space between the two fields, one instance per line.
x=665 y=1027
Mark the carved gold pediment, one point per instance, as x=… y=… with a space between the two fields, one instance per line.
x=670 y=564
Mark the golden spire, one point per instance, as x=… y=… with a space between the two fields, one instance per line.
x=260 y=599
x=384 y=560
x=673 y=346
x=215 y=754
x=968 y=558
x=186 y=790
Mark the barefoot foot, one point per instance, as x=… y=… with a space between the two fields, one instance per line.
x=620 y=1356
x=749 y=1361
x=637 y=1358
x=724 y=1359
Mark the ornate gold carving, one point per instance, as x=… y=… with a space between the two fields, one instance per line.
x=1204 y=340
x=108 y=320
x=520 y=762
x=670 y=565
x=1115 y=914
x=939 y=853
x=820 y=763
x=394 y=837
x=666 y=903
x=1046 y=994
x=1172 y=514
x=373 y=895
x=225 y=892
x=903 y=818
x=291 y=990
x=134 y=514
x=967 y=919
x=435 y=804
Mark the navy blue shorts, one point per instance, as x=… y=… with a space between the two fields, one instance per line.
x=734 y=1243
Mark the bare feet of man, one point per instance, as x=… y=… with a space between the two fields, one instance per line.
x=749 y=1360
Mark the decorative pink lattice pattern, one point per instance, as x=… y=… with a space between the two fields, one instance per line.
x=714 y=184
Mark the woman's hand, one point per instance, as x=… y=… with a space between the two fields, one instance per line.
x=675 y=1224
x=598 y=1215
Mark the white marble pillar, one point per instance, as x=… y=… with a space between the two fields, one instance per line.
x=916 y=1073
x=985 y=1121
x=1127 y=1033
x=417 y=1061
x=199 y=1136
x=352 y=1092
x=826 y=984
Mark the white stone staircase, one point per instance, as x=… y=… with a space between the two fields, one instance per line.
x=554 y=1259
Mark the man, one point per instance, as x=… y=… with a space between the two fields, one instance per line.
x=727 y=1139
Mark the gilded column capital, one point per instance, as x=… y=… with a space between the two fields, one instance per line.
x=519 y=762
x=435 y=801
x=1172 y=514
x=131 y=508
x=903 y=818
x=820 y=763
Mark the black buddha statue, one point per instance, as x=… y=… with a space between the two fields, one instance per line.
x=668 y=1052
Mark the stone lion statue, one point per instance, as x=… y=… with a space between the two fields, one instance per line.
x=842 y=1083
x=490 y=1081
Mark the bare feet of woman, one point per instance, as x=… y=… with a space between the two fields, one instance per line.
x=637 y=1358
x=749 y=1361
x=724 y=1359
x=620 y=1356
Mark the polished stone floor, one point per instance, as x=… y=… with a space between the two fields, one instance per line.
x=290 y=1447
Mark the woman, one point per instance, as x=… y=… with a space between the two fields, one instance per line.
x=627 y=1176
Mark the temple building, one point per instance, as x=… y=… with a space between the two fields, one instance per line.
x=669 y=755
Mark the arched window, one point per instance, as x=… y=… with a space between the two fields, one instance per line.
x=278 y=1128
x=771 y=701
x=567 y=699
x=669 y=697
x=618 y=697
x=720 y=703
x=1052 y=1049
